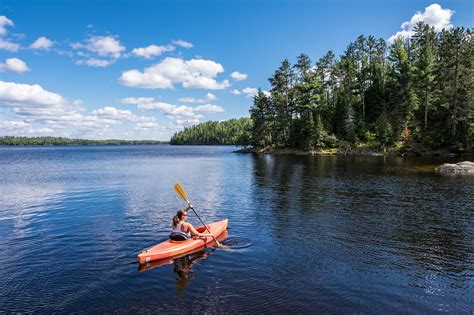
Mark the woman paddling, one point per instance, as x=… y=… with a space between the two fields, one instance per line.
x=183 y=230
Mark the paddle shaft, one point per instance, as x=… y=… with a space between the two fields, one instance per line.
x=182 y=194
x=204 y=225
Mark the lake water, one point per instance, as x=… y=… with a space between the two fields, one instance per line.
x=307 y=234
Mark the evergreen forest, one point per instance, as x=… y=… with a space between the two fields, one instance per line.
x=415 y=93
x=230 y=132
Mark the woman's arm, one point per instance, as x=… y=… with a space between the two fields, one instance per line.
x=194 y=231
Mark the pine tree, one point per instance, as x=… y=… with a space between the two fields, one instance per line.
x=282 y=101
x=261 y=115
x=454 y=78
x=325 y=73
x=375 y=94
x=403 y=101
x=303 y=66
x=424 y=48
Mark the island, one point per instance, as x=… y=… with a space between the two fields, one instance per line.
x=410 y=97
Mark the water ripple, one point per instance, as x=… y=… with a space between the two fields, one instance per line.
x=332 y=234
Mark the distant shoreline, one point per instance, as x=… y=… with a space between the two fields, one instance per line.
x=79 y=145
x=10 y=141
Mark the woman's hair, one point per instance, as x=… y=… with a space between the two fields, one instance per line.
x=178 y=217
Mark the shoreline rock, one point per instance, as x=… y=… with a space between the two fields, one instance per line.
x=465 y=167
x=330 y=151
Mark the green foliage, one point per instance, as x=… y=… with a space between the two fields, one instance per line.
x=383 y=131
x=233 y=131
x=260 y=113
x=423 y=43
x=414 y=91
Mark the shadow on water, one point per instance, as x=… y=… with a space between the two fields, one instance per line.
x=183 y=266
x=183 y=263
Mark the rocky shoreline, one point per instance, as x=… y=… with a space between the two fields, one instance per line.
x=465 y=167
x=411 y=152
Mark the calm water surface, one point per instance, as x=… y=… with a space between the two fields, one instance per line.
x=307 y=234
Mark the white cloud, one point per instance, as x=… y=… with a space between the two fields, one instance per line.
x=14 y=65
x=6 y=45
x=35 y=104
x=146 y=126
x=116 y=114
x=145 y=80
x=104 y=46
x=209 y=97
x=93 y=62
x=250 y=91
x=42 y=43
x=434 y=15
x=152 y=51
x=209 y=108
x=182 y=43
x=172 y=111
x=99 y=51
x=64 y=53
x=12 y=124
x=137 y=100
x=169 y=109
x=187 y=122
x=14 y=127
x=16 y=93
x=194 y=73
x=238 y=76
x=22 y=128
x=188 y=99
x=147 y=103
x=113 y=113
x=4 y=21
x=38 y=111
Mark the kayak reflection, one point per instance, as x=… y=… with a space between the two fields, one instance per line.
x=183 y=266
x=182 y=263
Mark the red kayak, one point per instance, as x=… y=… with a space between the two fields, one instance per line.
x=170 y=260
x=171 y=248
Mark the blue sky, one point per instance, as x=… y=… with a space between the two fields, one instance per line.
x=145 y=69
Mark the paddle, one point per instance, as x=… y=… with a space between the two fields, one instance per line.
x=182 y=194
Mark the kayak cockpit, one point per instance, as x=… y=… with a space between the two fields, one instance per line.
x=180 y=237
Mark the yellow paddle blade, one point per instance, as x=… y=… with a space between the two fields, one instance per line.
x=181 y=193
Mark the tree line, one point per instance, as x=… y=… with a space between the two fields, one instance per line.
x=47 y=141
x=416 y=91
x=231 y=132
